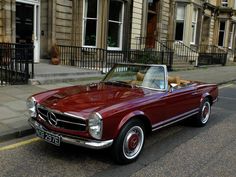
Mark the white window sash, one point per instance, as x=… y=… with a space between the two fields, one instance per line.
x=180 y=13
x=222 y=31
x=231 y=36
x=120 y=31
x=85 y=18
x=194 y=26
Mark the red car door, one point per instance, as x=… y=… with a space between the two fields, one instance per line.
x=180 y=102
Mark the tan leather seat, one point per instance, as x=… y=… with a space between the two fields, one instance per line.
x=139 y=76
x=175 y=80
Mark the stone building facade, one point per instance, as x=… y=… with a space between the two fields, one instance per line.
x=116 y=24
x=103 y=24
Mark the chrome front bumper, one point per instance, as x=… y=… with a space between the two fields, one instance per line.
x=88 y=143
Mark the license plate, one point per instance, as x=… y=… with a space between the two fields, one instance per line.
x=49 y=137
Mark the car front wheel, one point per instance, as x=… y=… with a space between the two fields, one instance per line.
x=129 y=143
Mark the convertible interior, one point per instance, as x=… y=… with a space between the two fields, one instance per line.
x=180 y=83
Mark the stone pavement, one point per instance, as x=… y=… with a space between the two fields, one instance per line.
x=13 y=113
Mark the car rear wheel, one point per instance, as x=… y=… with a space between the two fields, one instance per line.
x=129 y=143
x=204 y=113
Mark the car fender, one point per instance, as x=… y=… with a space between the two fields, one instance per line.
x=127 y=117
x=204 y=95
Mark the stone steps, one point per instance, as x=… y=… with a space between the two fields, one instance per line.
x=41 y=80
x=182 y=65
x=48 y=74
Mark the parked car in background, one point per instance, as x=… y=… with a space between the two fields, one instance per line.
x=118 y=112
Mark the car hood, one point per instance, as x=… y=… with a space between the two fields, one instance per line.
x=82 y=100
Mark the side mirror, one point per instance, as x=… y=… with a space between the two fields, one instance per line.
x=173 y=86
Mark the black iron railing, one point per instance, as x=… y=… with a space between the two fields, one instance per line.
x=103 y=59
x=151 y=43
x=15 y=62
x=211 y=55
x=91 y=58
x=181 y=51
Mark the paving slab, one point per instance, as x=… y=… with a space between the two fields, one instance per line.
x=6 y=98
x=17 y=105
x=4 y=128
x=16 y=122
x=7 y=113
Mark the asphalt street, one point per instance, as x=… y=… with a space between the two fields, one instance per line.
x=180 y=150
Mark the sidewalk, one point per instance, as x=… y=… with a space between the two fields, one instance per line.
x=14 y=116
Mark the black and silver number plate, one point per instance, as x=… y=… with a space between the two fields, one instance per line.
x=49 y=137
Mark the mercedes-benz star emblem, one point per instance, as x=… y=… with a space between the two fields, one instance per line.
x=52 y=118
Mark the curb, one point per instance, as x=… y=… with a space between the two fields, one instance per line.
x=225 y=82
x=27 y=130
x=16 y=133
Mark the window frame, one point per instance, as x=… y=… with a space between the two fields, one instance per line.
x=223 y=42
x=224 y=3
x=194 y=24
x=231 y=35
x=83 y=25
x=121 y=28
x=180 y=20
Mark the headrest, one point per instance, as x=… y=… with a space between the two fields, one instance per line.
x=140 y=76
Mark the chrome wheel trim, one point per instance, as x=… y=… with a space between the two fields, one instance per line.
x=135 y=138
x=205 y=113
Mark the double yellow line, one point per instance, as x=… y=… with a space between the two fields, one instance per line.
x=16 y=145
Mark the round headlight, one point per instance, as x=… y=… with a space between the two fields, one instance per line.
x=31 y=106
x=95 y=125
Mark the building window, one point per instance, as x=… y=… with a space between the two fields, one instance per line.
x=115 y=26
x=194 y=25
x=221 y=33
x=90 y=19
x=179 y=29
x=224 y=3
x=231 y=35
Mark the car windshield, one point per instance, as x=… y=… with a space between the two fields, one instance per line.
x=146 y=76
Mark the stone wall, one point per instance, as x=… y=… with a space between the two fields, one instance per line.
x=136 y=21
x=63 y=22
x=164 y=19
x=211 y=35
x=7 y=21
x=1 y=21
x=44 y=29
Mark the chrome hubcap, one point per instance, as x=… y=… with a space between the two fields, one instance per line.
x=133 y=142
x=206 y=110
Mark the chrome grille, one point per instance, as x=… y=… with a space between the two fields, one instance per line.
x=62 y=120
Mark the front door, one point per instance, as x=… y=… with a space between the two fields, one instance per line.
x=152 y=24
x=151 y=30
x=28 y=25
x=24 y=23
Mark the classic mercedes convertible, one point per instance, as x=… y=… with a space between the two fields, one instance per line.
x=131 y=101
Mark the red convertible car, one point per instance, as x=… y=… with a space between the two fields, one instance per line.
x=118 y=112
